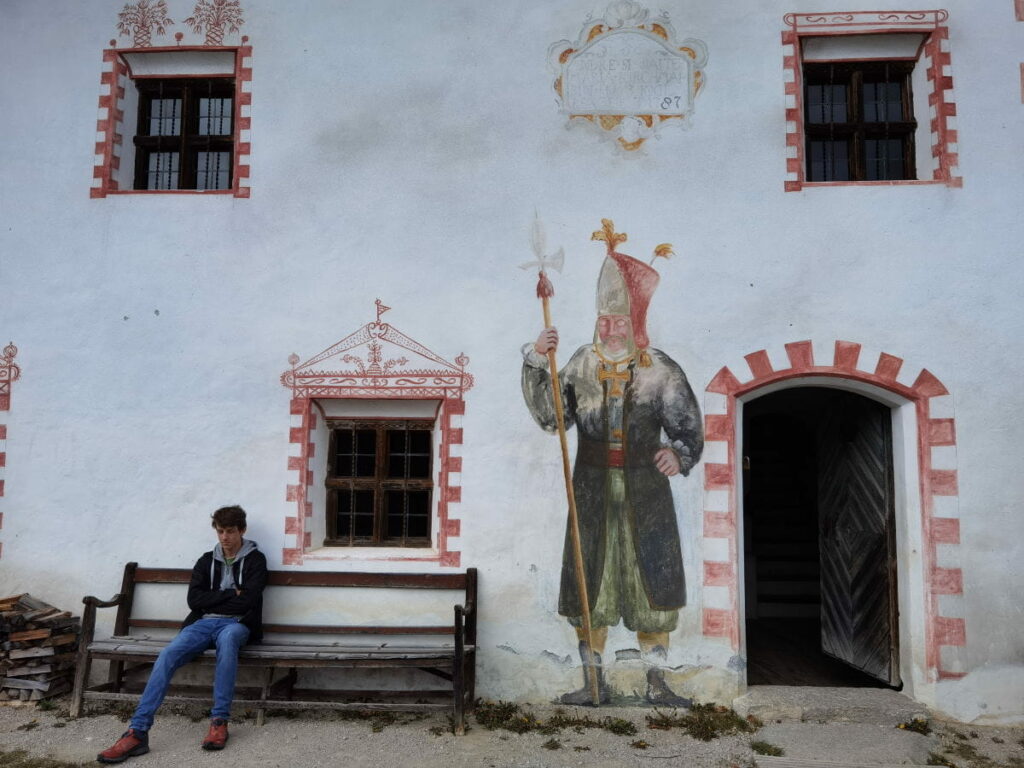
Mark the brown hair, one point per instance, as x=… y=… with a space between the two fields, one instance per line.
x=229 y=517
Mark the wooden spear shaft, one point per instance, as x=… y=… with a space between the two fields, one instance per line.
x=574 y=521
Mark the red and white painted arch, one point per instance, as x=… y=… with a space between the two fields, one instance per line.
x=941 y=582
x=9 y=373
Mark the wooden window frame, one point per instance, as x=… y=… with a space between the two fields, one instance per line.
x=856 y=130
x=380 y=483
x=189 y=143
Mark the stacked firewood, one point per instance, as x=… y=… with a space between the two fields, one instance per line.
x=37 y=649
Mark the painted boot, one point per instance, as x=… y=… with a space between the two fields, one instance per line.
x=658 y=692
x=583 y=697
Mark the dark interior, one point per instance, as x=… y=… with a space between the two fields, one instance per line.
x=781 y=556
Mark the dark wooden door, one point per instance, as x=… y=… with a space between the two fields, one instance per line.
x=857 y=536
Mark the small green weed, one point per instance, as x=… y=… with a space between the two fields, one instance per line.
x=508 y=716
x=639 y=744
x=45 y=705
x=29 y=725
x=581 y=749
x=704 y=722
x=764 y=748
x=19 y=758
x=937 y=759
x=552 y=744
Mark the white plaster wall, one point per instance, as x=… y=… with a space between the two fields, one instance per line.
x=400 y=151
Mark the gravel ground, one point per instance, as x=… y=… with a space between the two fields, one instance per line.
x=312 y=740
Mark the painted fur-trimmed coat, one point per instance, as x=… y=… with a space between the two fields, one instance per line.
x=658 y=399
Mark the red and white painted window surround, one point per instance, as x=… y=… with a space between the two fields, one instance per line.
x=942 y=578
x=124 y=70
x=920 y=38
x=377 y=374
x=9 y=373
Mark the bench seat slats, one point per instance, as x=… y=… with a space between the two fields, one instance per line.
x=151 y=648
x=310 y=629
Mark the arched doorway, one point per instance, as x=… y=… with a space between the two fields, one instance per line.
x=933 y=633
x=819 y=554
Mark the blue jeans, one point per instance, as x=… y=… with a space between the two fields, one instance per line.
x=227 y=635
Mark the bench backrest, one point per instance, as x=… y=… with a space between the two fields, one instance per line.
x=465 y=582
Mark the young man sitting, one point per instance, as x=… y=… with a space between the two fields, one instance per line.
x=225 y=595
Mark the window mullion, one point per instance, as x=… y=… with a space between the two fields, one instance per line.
x=379 y=494
x=857 y=118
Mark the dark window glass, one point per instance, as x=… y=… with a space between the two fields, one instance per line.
x=858 y=121
x=185 y=134
x=380 y=483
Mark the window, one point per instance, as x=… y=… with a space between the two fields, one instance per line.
x=174 y=121
x=859 y=121
x=379 y=483
x=184 y=138
x=869 y=99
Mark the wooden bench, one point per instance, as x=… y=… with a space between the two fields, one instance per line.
x=451 y=656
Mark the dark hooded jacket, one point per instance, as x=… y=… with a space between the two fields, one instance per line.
x=249 y=571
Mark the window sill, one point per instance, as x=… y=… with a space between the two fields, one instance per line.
x=373 y=554
x=170 y=192
x=891 y=183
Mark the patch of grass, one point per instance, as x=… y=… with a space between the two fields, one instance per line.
x=764 y=748
x=45 y=705
x=552 y=744
x=438 y=730
x=505 y=715
x=917 y=725
x=581 y=749
x=639 y=744
x=704 y=722
x=29 y=725
x=19 y=758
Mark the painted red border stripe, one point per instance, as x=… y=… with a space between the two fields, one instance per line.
x=718 y=525
x=846 y=355
x=941 y=432
x=724 y=383
x=950 y=631
x=760 y=364
x=947 y=581
x=945 y=530
x=717 y=476
x=718 y=574
x=800 y=353
x=944 y=482
x=718 y=426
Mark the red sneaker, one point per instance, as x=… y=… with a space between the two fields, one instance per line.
x=218 y=735
x=131 y=744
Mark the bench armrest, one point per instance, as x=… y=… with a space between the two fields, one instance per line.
x=95 y=602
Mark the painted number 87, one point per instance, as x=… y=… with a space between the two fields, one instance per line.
x=669 y=101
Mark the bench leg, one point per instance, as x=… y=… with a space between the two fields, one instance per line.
x=82 y=666
x=261 y=713
x=459 y=693
x=116 y=675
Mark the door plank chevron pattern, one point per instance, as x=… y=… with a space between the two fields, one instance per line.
x=855 y=518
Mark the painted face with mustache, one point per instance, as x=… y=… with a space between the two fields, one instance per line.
x=615 y=335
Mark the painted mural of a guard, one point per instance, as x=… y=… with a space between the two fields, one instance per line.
x=638 y=425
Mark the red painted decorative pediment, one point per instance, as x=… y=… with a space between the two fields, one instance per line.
x=378 y=360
